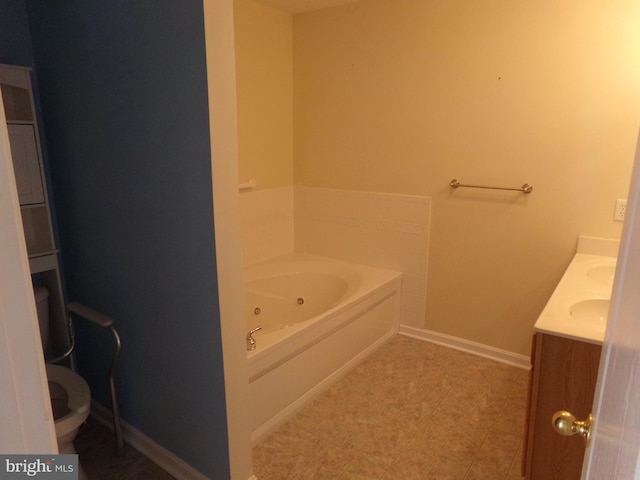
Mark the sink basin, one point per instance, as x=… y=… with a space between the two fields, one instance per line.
x=593 y=312
x=602 y=273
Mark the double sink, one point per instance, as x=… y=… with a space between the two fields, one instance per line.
x=579 y=305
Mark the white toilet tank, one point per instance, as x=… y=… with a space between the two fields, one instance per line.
x=42 y=307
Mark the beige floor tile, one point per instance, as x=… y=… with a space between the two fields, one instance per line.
x=335 y=458
x=516 y=464
x=462 y=447
x=266 y=451
x=317 y=471
x=420 y=456
x=498 y=453
x=363 y=469
x=289 y=437
x=413 y=410
x=479 y=471
x=312 y=447
x=285 y=466
x=431 y=475
x=385 y=445
x=405 y=471
x=446 y=465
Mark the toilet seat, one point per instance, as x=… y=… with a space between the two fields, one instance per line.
x=79 y=398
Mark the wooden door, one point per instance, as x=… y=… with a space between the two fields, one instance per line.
x=25 y=408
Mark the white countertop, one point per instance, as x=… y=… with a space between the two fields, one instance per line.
x=576 y=308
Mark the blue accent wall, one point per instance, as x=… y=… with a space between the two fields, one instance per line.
x=15 y=41
x=123 y=90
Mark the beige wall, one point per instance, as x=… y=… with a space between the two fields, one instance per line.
x=402 y=96
x=264 y=66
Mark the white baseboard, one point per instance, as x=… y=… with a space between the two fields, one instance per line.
x=503 y=356
x=162 y=457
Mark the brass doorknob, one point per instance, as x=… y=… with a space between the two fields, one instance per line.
x=566 y=424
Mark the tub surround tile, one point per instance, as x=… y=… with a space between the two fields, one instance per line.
x=266 y=219
x=460 y=418
x=379 y=229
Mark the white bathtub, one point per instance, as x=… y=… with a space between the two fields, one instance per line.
x=319 y=317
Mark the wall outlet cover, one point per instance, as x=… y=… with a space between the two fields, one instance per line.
x=621 y=209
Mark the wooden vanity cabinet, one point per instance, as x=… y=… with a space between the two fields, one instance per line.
x=563 y=377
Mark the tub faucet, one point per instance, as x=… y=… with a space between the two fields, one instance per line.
x=251 y=342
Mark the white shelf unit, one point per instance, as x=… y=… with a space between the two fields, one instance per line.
x=26 y=152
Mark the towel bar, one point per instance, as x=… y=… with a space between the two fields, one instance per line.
x=526 y=188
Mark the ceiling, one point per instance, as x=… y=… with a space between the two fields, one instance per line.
x=299 y=6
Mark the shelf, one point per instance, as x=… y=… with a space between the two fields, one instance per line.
x=16 y=94
x=26 y=163
x=16 y=90
x=43 y=263
x=37 y=230
x=17 y=103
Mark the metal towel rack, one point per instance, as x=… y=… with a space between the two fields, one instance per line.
x=526 y=188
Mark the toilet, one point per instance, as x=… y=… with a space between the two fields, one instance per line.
x=70 y=402
x=70 y=394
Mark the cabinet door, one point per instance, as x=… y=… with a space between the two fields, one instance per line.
x=565 y=377
x=26 y=164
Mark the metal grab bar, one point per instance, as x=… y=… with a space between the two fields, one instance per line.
x=104 y=321
x=526 y=188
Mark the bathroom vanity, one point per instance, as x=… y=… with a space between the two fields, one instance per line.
x=565 y=357
x=18 y=101
x=563 y=377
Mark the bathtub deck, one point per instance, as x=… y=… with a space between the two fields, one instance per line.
x=400 y=415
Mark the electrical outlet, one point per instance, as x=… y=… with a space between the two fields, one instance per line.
x=621 y=209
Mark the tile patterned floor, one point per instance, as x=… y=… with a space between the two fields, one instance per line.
x=411 y=411
x=96 y=449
